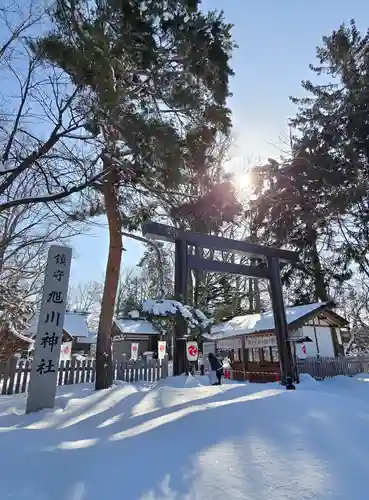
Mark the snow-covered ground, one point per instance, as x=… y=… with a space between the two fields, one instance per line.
x=184 y=440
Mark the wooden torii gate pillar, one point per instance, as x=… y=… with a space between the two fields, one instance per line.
x=184 y=262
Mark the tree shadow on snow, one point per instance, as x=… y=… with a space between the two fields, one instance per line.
x=161 y=455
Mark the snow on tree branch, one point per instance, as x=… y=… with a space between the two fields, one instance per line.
x=170 y=308
x=15 y=310
x=15 y=314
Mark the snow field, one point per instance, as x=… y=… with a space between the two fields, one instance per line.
x=181 y=439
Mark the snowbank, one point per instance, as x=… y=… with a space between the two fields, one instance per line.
x=182 y=439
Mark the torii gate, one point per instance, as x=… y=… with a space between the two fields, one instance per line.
x=184 y=262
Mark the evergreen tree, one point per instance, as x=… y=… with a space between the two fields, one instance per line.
x=16 y=310
x=333 y=131
x=160 y=276
x=292 y=211
x=131 y=293
x=149 y=74
x=211 y=204
x=332 y=120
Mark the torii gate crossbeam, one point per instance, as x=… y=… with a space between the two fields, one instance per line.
x=270 y=269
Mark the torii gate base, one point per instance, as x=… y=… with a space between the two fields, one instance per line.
x=184 y=262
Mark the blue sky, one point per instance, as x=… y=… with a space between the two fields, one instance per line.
x=277 y=41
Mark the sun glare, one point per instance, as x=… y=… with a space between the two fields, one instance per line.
x=242 y=181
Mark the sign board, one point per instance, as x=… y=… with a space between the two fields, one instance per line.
x=229 y=344
x=49 y=336
x=66 y=351
x=208 y=347
x=162 y=349
x=134 y=351
x=259 y=341
x=192 y=351
x=87 y=340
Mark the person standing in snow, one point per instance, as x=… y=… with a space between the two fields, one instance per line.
x=216 y=368
x=201 y=364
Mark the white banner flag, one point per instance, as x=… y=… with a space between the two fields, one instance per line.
x=192 y=350
x=66 y=351
x=162 y=349
x=134 y=351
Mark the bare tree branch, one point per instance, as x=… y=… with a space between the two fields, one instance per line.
x=43 y=130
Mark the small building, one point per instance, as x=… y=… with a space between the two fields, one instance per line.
x=128 y=330
x=84 y=344
x=313 y=329
x=13 y=343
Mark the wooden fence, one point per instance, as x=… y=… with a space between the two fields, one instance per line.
x=321 y=368
x=14 y=374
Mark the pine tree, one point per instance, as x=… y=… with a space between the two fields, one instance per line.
x=148 y=74
x=211 y=203
x=333 y=133
x=332 y=120
x=15 y=310
x=160 y=275
x=15 y=313
x=292 y=211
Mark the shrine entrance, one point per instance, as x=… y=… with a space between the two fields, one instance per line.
x=270 y=258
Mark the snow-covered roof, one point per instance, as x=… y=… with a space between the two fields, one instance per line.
x=259 y=323
x=19 y=336
x=74 y=324
x=22 y=337
x=136 y=327
x=9 y=329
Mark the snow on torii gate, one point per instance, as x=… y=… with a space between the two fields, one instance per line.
x=184 y=262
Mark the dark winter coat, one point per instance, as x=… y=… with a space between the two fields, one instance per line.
x=215 y=364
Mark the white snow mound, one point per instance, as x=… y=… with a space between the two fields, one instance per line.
x=183 y=440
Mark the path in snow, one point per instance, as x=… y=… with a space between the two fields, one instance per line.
x=182 y=440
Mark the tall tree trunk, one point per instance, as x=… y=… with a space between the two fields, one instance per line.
x=257 y=301
x=254 y=290
x=104 y=362
x=199 y=276
x=318 y=274
x=236 y=297
x=250 y=296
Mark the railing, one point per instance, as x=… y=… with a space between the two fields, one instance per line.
x=15 y=374
x=324 y=367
